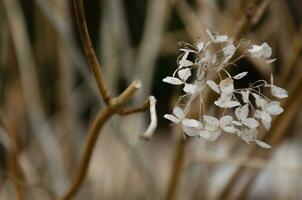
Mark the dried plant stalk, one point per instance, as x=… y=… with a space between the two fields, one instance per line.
x=113 y=105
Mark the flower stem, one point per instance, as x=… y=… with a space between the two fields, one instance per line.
x=177 y=165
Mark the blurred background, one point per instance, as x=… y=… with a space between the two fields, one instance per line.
x=48 y=99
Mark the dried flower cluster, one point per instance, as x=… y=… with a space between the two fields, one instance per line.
x=199 y=65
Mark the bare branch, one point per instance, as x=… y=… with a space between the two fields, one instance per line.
x=89 y=51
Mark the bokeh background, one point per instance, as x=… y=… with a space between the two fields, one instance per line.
x=48 y=98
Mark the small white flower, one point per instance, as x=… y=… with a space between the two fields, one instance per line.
x=265 y=118
x=248 y=135
x=184 y=74
x=179 y=115
x=260 y=101
x=190 y=88
x=228 y=52
x=226 y=124
x=217 y=38
x=200 y=46
x=184 y=62
x=240 y=76
x=213 y=86
x=173 y=80
x=263 y=144
x=245 y=96
x=191 y=126
x=272 y=108
x=211 y=129
x=261 y=51
x=277 y=91
x=242 y=115
x=225 y=100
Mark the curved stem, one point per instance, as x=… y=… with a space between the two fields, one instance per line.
x=93 y=134
x=89 y=51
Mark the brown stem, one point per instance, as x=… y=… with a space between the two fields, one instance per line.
x=100 y=119
x=252 y=16
x=141 y=108
x=176 y=169
x=89 y=51
x=93 y=133
x=114 y=105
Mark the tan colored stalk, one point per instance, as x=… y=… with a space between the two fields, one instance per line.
x=113 y=105
x=177 y=166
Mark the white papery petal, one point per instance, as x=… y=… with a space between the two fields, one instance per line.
x=231 y=104
x=187 y=50
x=213 y=86
x=217 y=38
x=190 y=131
x=278 y=92
x=173 y=80
x=228 y=90
x=211 y=136
x=178 y=112
x=245 y=96
x=271 y=61
x=237 y=123
x=207 y=56
x=192 y=123
x=261 y=51
x=210 y=127
x=266 y=50
x=263 y=144
x=205 y=134
x=240 y=76
x=185 y=55
x=229 y=129
x=274 y=109
x=184 y=74
x=221 y=38
x=226 y=103
x=251 y=123
x=227 y=84
x=200 y=46
x=249 y=135
x=258 y=114
x=210 y=34
x=244 y=112
x=225 y=120
x=190 y=88
x=266 y=120
x=185 y=63
x=172 y=118
x=211 y=120
x=260 y=101
x=229 y=50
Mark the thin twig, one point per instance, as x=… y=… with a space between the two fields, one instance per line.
x=177 y=166
x=93 y=134
x=100 y=119
x=114 y=105
x=89 y=51
x=128 y=111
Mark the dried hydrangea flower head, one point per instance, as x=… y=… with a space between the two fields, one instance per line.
x=198 y=67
